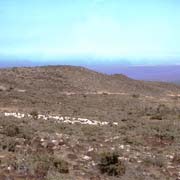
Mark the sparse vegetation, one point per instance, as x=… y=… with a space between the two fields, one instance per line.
x=144 y=144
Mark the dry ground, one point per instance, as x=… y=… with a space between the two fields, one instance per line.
x=141 y=139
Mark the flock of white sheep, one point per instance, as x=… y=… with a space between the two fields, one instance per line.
x=61 y=119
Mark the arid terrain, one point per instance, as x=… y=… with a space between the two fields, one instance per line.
x=71 y=123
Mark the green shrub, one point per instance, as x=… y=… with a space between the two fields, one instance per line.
x=8 y=144
x=109 y=164
x=11 y=130
x=43 y=163
x=61 y=166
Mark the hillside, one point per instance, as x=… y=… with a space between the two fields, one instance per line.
x=60 y=79
x=72 y=123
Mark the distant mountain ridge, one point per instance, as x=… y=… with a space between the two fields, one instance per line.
x=164 y=73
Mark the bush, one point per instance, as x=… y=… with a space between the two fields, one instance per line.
x=41 y=168
x=110 y=164
x=11 y=130
x=8 y=144
x=176 y=158
x=34 y=114
x=104 y=93
x=43 y=163
x=61 y=166
x=156 y=117
x=157 y=161
x=135 y=95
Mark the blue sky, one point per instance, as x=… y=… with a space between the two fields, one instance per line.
x=139 y=30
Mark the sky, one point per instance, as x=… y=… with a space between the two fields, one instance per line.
x=142 y=31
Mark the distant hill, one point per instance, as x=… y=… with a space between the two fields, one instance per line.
x=49 y=81
x=169 y=73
